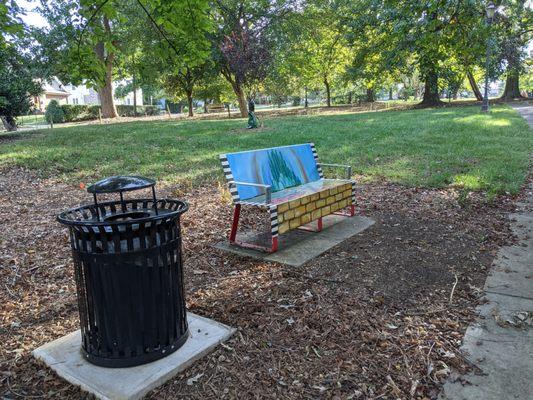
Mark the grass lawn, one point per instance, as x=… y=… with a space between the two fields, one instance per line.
x=24 y=120
x=435 y=148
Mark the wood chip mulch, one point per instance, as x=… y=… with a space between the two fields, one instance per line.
x=381 y=315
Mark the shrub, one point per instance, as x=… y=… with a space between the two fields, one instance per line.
x=128 y=110
x=73 y=112
x=152 y=110
x=93 y=112
x=77 y=112
x=54 y=113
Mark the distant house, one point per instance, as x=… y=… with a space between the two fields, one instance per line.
x=53 y=90
x=81 y=94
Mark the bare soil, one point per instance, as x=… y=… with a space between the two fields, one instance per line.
x=381 y=315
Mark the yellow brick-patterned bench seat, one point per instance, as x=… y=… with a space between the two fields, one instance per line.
x=311 y=207
x=288 y=182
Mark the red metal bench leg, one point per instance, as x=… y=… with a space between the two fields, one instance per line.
x=274 y=244
x=236 y=216
x=273 y=231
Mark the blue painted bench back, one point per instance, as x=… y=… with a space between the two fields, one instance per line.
x=279 y=167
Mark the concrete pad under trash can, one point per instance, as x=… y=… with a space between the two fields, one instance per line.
x=298 y=246
x=65 y=358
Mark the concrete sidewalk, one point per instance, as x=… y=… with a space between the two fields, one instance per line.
x=500 y=344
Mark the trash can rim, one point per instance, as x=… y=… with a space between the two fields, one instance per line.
x=61 y=218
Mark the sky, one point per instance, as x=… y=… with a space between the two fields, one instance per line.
x=31 y=18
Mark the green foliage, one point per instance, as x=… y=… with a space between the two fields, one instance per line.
x=277 y=47
x=75 y=113
x=426 y=33
x=212 y=86
x=94 y=42
x=17 y=85
x=17 y=68
x=316 y=49
x=123 y=90
x=128 y=110
x=10 y=23
x=511 y=32
x=54 y=113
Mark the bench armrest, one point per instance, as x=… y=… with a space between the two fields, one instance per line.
x=268 y=188
x=347 y=168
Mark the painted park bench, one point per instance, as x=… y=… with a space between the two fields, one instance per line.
x=289 y=183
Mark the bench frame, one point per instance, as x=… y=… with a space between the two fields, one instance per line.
x=348 y=211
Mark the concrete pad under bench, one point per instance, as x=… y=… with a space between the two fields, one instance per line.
x=64 y=357
x=297 y=247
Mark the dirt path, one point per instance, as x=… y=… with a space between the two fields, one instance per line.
x=370 y=318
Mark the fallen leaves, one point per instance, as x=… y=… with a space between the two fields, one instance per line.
x=371 y=318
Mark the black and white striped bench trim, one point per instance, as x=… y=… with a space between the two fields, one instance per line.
x=274 y=220
x=315 y=155
x=229 y=178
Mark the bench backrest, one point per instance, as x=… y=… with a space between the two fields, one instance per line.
x=279 y=167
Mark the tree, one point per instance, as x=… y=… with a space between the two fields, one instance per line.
x=513 y=31
x=80 y=45
x=175 y=58
x=473 y=85
x=242 y=46
x=182 y=82
x=370 y=68
x=10 y=23
x=427 y=31
x=318 y=49
x=18 y=84
x=214 y=87
x=93 y=38
x=246 y=62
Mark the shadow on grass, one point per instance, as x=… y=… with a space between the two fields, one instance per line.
x=436 y=147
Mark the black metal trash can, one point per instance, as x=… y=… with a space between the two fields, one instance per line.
x=129 y=277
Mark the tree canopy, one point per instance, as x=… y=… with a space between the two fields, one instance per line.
x=340 y=49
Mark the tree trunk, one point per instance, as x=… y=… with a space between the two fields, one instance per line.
x=105 y=92
x=106 y=98
x=205 y=106
x=350 y=97
x=134 y=97
x=390 y=93
x=328 y=92
x=512 y=89
x=370 y=95
x=474 y=86
x=455 y=93
x=189 y=102
x=431 y=91
x=237 y=89
x=9 y=123
x=243 y=107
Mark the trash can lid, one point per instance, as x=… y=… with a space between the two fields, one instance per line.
x=115 y=184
